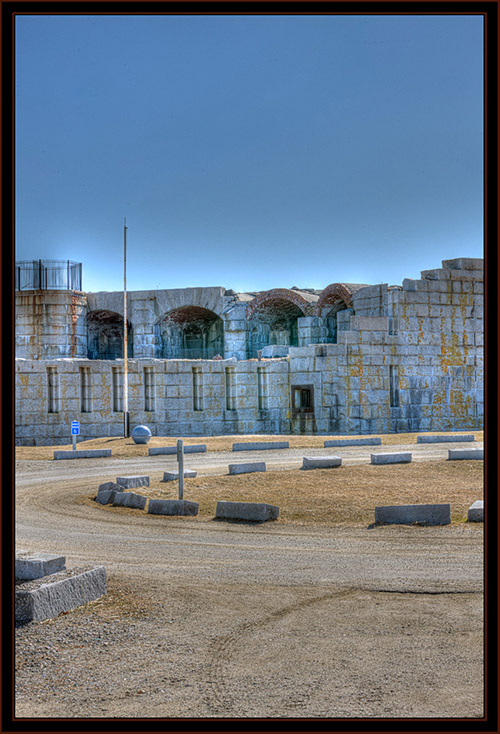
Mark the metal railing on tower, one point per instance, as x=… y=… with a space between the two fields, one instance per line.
x=35 y=275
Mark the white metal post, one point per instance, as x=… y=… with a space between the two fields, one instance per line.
x=125 y=336
x=180 y=463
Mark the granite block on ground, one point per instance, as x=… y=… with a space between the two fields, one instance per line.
x=46 y=598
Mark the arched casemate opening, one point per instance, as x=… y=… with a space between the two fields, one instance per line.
x=334 y=298
x=190 y=332
x=272 y=319
x=105 y=335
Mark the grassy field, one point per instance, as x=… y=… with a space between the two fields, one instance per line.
x=126 y=448
x=343 y=496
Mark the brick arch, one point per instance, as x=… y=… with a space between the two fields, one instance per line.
x=332 y=294
x=188 y=313
x=189 y=332
x=274 y=296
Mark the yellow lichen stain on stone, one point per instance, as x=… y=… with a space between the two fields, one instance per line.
x=404 y=315
x=355 y=367
x=105 y=407
x=24 y=379
x=404 y=383
x=420 y=330
x=465 y=346
x=451 y=353
x=461 y=406
x=465 y=300
x=449 y=286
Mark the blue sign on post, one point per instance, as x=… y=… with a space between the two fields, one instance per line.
x=75 y=428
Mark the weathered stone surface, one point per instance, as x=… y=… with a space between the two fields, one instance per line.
x=375 y=441
x=454 y=454
x=261 y=446
x=321 y=462
x=464 y=263
x=82 y=454
x=106 y=492
x=250 y=511
x=398 y=457
x=172 y=507
x=274 y=351
x=476 y=512
x=110 y=486
x=106 y=497
x=172 y=450
x=170 y=476
x=132 y=482
x=130 y=499
x=408 y=514
x=369 y=323
x=415 y=363
x=444 y=439
x=30 y=566
x=247 y=468
x=61 y=592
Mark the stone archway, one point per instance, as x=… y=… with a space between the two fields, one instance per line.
x=105 y=335
x=190 y=332
x=272 y=319
x=334 y=298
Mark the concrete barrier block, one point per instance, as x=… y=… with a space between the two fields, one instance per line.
x=172 y=507
x=408 y=514
x=247 y=468
x=31 y=566
x=46 y=598
x=82 y=454
x=321 y=462
x=375 y=441
x=172 y=450
x=133 y=481
x=444 y=439
x=130 y=499
x=476 y=512
x=261 y=446
x=250 y=511
x=170 y=476
x=454 y=454
x=399 y=457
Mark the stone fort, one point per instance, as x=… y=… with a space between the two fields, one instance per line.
x=351 y=358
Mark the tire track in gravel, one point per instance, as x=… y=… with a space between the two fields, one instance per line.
x=222 y=701
x=222 y=649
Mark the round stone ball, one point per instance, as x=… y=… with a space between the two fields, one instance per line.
x=141 y=434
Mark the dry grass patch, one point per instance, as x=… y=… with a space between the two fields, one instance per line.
x=343 y=496
x=126 y=448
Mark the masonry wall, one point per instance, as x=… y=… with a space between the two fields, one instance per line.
x=51 y=324
x=408 y=358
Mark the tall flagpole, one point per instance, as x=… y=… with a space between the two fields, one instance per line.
x=126 y=424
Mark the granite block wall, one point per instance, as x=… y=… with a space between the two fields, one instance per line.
x=407 y=358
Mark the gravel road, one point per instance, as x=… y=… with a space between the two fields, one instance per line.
x=210 y=620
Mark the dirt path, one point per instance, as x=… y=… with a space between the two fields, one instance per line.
x=205 y=619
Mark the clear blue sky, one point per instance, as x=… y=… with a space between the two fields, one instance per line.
x=251 y=152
